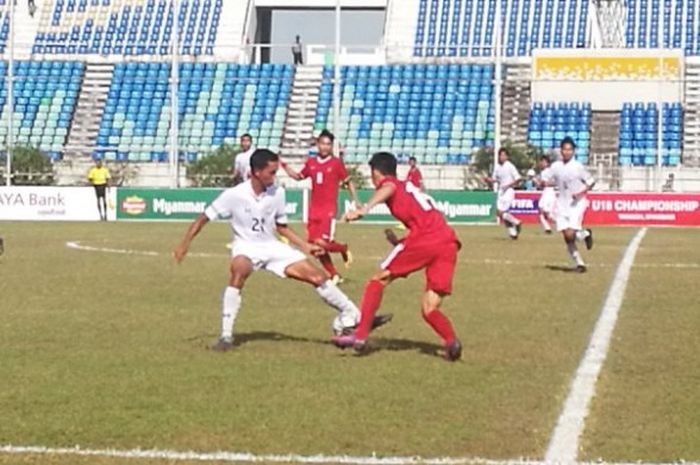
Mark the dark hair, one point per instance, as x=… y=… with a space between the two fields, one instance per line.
x=567 y=140
x=328 y=134
x=546 y=158
x=260 y=159
x=412 y=159
x=384 y=162
x=504 y=150
x=248 y=136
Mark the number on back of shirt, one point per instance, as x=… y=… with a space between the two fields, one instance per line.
x=425 y=201
x=258 y=225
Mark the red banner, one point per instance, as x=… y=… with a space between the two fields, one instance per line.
x=624 y=208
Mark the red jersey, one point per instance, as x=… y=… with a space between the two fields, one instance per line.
x=417 y=211
x=326 y=175
x=414 y=176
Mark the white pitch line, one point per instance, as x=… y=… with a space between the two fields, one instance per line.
x=564 y=444
x=77 y=245
x=247 y=457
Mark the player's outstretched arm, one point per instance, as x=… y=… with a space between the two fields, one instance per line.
x=288 y=233
x=291 y=173
x=381 y=195
x=350 y=186
x=196 y=226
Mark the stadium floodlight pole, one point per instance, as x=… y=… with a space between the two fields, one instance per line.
x=10 y=98
x=498 y=78
x=336 y=80
x=174 y=113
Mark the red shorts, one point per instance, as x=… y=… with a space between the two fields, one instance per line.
x=438 y=258
x=320 y=228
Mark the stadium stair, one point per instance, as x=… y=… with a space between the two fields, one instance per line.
x=299 y=124
x=605 y=132
x=232 y=27
x=86 y=120
x=691 y=106
x=402 y=16
x=515 y=107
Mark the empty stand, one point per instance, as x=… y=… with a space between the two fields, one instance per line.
x=466 y=27
x=639 y=133
x=440 y=114
x=550 y=123
x=44 y=99
x=127 y=27
x=217 y=103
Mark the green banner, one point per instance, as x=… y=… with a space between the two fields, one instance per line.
x=182 y=204
x=457 y=206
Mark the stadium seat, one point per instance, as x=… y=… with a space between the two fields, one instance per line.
x=439 y=113
x=217 y=103
x=639 y=135
x=551 y=122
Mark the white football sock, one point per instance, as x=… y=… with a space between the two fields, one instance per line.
x=545 y=224
x=582 y=234
x=510 y=218
x=331 y=295
x=574 y=253
x=512 y=232
x=232 y=302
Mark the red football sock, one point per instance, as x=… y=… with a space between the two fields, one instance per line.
x=441 y=325
x=336 y=247
x=327 y=264
x=371 y=299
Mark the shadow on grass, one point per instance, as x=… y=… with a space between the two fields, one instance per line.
x=401 y=345
x=563 y=269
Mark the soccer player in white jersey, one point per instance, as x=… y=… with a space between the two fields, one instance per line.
x=548 y=199
x=505 y=177
x=572 y=181
x=256 y=210
x=241 y=166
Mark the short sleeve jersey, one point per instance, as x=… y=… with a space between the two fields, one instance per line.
x=505 y=174
x=253 y=217
x=326 y=174
x=569 y=178
x=417 y=211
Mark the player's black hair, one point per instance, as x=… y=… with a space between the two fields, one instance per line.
x=546 y=157
x=261 y=157
x=504 y=150
x=328 y=134
x=384 y=162
x=412 y=159
x=567 y=140
x=248 y=136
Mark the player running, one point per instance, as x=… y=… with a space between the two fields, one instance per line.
x=327 y=173
x=256 y=209
x=505 y=177
x=430 y=244
x=548 y=198
x=572 y=182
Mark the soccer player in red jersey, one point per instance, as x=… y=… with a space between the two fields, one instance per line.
x=414 y=175
x=327 y=173
x=430 y=244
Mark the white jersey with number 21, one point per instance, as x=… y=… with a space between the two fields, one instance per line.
x=253 y=217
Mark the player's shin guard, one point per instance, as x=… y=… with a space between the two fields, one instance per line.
x=510 y=218
x=334 y=297
x=371 y=300
x=327 y=264
x=574 y=253
x=441 y=325
x=231 y=304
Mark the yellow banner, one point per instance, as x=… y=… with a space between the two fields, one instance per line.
x=618 y=68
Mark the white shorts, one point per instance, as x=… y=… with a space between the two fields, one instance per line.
x=548 y=200
x=571 y=216
x=505 y=200
x=274 y=256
